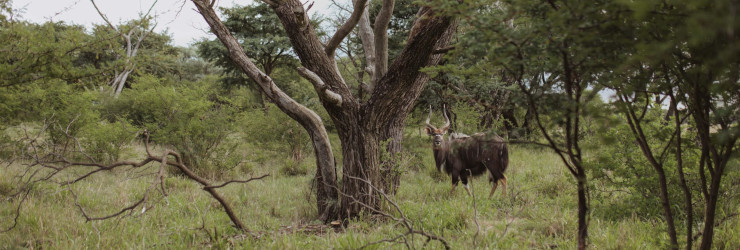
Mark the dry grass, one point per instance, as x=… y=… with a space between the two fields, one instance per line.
x=539 y=212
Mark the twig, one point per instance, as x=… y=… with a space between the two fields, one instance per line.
x=238 y=181
x=406 y=222
x=716 y=224
x=17 y=211
x=57 y=163
x=475 y=210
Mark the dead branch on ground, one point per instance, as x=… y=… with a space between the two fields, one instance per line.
x=45 y=161
x=401 y=218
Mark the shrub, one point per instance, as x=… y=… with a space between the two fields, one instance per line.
x=291 y=167
x=625 y=182
x=275 y=131
x=105 y=140
x=193 y=118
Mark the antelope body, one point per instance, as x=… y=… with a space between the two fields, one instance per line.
x=461 y=156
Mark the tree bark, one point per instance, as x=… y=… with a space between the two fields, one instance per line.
x=709 y=214
x=327 y=200
x=368 y=46
x=665 y=202
x=635 y=126
x=679 y=166
x=511 y=126
x=360 y=126
x=715 y=154
x=119 y=81
x=582 y=209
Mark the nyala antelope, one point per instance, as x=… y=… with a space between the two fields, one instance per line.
x=461 y=156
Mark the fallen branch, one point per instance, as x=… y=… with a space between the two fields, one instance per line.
x=56 y=162
x=402 y=219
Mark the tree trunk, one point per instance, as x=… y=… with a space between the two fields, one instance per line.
x=635 y=126
x=327 y=202
x=511 y=126
x=582 y=209
x=710 y=213
x=688 y=209
x=527 y=123
x=120 y=82
x=715 y=154
x=361 y=171
x=667 y=207
x=360 y=126
x=390 y=169
x=309 y=120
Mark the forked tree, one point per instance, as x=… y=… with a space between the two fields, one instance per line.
x=362 y=124
x=133 y=37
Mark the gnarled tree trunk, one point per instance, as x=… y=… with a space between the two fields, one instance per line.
x=361 y=126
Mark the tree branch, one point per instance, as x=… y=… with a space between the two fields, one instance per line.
x=346 y=28
x=57 y=164
x=324 y=90
x=403 y=219
x=238 y=181
x=380 y=30
x=105 y=18
x=443 y=50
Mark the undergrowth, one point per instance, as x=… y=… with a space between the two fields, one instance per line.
x=538 y=212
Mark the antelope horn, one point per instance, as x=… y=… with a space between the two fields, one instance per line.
x=429 y=117
x=447 y=119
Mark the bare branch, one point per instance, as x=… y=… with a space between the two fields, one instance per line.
x=381 y=37
x=365 y=32
x=17 y=209
x=57 y=163
x=150 y=8
x=238 y=181
x=326 y=93
x=333 y=97
x=346 y=28
x=105 y=18
x=443 y=50
x=403 y=219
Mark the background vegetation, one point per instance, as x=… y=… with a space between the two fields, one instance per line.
x=642 y=137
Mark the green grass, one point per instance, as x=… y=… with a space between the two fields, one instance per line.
x=539 y=212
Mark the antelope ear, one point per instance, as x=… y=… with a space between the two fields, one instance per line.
x=429 y=131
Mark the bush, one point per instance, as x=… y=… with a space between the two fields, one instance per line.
x=291 y=167
x=105 y=141
x=625 y=182
x=275 y=131
x=193 y=118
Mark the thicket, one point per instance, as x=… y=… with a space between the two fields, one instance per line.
x=54 y=90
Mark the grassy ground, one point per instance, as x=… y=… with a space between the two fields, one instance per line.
x=539 y=212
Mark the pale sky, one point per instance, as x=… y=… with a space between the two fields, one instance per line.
x=178 y=17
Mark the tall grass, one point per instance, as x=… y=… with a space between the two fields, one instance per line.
x=538 y=212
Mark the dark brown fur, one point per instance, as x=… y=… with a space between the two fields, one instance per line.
x=461 y=157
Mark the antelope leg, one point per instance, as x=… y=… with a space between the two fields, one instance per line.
x=493 y=189
x=503 y=182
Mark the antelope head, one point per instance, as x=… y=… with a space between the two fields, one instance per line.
x=437 y=133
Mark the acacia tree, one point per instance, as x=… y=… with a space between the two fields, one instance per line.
x=694 y=63
x=705 y=65
x=133 y=35
x=361 y=124
x=555 y=53
x=258 y=29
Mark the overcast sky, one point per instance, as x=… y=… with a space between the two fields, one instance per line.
x=178 y=17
